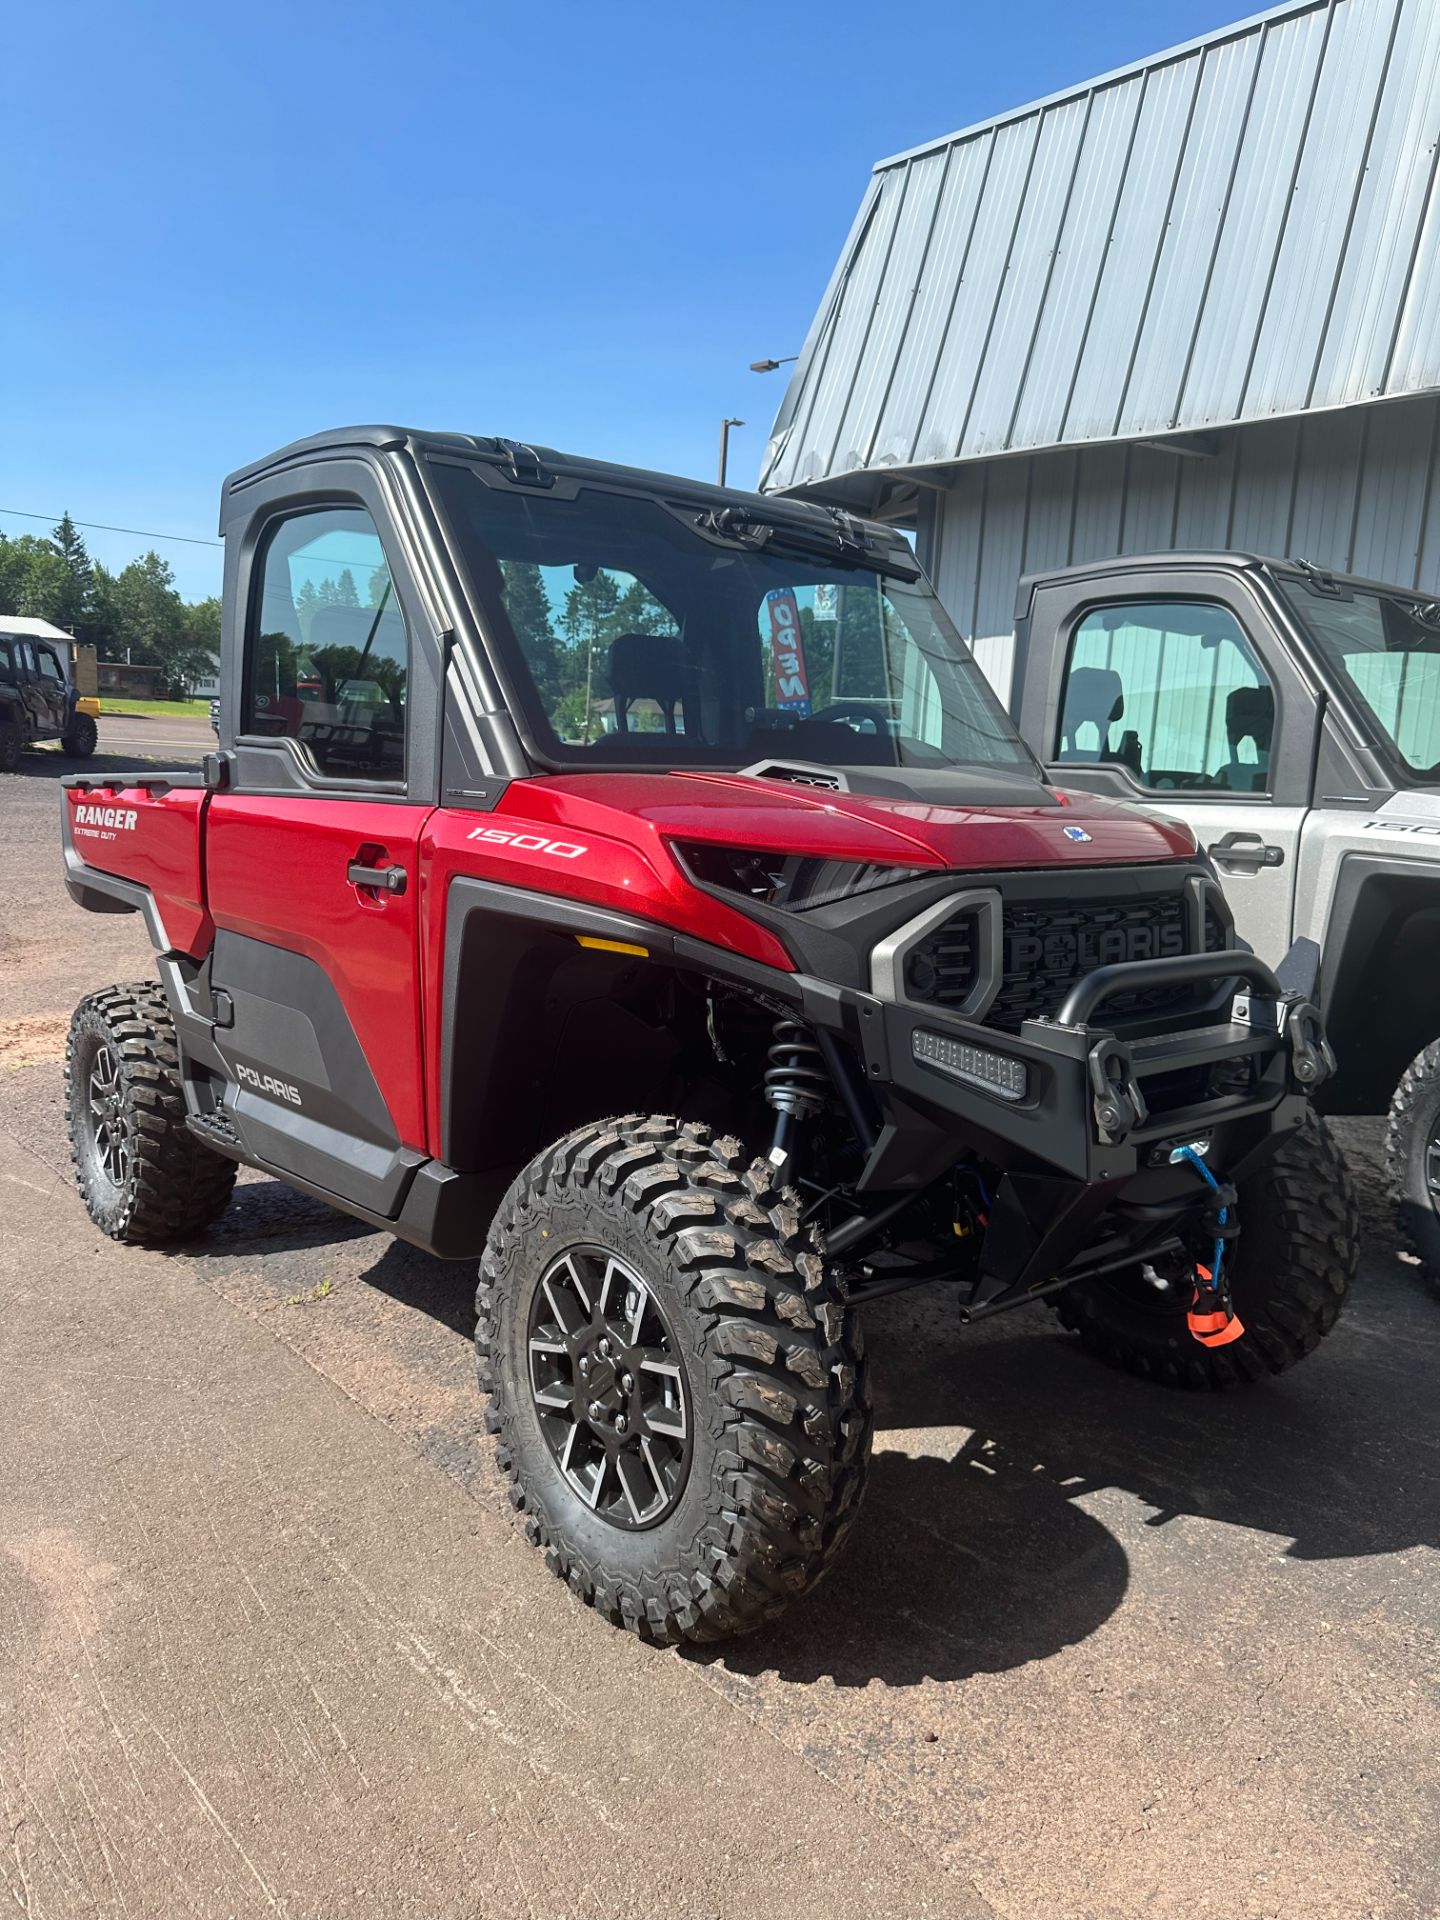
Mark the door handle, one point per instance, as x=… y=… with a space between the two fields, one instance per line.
x=382 y=879
x=1245 y=853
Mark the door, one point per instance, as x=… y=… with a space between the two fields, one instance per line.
x=32 y=697
x=1172 y=702
x=52 y=687
x=312 y=865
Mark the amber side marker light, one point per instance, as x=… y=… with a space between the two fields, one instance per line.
x=612 y=946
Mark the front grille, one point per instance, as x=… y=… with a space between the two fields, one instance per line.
x=1046 y=949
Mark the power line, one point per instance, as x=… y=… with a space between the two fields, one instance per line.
x=101 y=526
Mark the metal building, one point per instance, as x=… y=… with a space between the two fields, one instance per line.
x=1193 y=303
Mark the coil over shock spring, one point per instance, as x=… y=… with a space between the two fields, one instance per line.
x=796 y=1080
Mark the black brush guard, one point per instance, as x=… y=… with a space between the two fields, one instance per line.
x=1102 y=1109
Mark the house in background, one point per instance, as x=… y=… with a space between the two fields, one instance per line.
x=1191 y=304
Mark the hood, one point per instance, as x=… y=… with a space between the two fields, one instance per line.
x=1019 y=823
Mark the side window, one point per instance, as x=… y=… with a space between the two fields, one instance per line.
x=327 y=655
x=49 y=665
x=1171 y=690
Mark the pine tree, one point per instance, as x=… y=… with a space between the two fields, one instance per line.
x=528 y=606
x=77 y=598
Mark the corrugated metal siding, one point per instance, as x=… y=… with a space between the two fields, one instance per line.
x=1238 y=230
x=1358 y=491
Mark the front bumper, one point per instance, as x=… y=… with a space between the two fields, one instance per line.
x=1086 y=1099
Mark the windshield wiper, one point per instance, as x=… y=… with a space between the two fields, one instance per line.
x=842 y=544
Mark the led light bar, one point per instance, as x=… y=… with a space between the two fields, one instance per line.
x=994 y=1072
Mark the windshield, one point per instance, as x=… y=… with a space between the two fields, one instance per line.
x=633 y=638
x=1385 y=647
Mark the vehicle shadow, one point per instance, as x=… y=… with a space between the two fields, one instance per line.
x=991 y=1535
x=977 y=1550
x=266 y=1216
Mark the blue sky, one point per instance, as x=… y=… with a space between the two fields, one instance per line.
x=225 y=227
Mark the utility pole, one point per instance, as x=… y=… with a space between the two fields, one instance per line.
x=725 y=426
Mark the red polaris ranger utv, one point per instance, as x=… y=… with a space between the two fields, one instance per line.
x=635 y=887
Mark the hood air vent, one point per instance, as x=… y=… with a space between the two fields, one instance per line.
x=800 y=773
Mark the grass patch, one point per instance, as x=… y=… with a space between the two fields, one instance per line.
x=320 y=1292
x=156 y=709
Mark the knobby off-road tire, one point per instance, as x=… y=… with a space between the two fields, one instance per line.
x=81 y=736
x=12 y=745
x=144 y=1177
x=1290 y=1271
x=1412 y=1159
x=775 y=1400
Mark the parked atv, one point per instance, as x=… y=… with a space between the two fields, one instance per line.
x=635 y=887
x=38 y=697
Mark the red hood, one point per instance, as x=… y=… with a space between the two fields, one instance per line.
x=1073 y=829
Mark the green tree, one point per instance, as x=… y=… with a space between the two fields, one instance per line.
x=528 y=606
x=588 y=623
x=33 y=577
x=202 y=626
x=78 y=595
x=152 y=623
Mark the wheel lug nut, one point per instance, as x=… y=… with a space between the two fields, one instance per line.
x=627 y=1382
x=604 y=1349
x=597 y=1411
x=621 y=1423
x=584 y=1365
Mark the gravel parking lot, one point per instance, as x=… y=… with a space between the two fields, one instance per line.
x=274 y=1644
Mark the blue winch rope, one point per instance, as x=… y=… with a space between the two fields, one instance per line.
x=1189 y=1155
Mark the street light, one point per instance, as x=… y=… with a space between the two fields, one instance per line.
x=725 y=426
x=769 y=366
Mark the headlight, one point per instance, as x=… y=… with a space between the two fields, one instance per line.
x=794 y=881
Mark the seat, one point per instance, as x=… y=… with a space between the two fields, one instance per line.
x=1249 y=715
x=1094 y=697
x=650 y=666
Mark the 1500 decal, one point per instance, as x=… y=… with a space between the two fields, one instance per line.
x=527 y=842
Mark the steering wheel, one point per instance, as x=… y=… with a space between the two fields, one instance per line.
x=858 y=713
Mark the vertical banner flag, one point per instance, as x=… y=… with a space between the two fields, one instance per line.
x=787 y=651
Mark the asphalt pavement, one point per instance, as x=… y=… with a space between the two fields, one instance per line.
x=274 y=1643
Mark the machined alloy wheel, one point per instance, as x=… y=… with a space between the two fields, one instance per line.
x=676 y=1383
x=609 y=1387
x=110 y=1128
x=144 y=1177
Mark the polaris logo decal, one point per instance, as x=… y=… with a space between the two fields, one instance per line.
x=528 y=842
x=123 y=818
x=267 y=1084
x=1075 y=833
x=1068 y=951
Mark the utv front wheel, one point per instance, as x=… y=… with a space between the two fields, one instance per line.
x=676 y=1381
x=1412 y=1157
x=1290 y=1271
x=142 y=1174
x=80 y=737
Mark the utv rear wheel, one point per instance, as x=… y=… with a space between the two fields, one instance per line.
x=80 y=737
x=142 y=1174
x=1412 y=1157
x=1290 y=1271
x=675 y=1379
x=12 y=745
